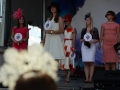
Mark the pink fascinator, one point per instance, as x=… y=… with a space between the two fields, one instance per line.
x=18 y=14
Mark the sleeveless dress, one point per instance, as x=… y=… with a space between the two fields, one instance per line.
x=23 y=31
x=109 y=40
x=88 y=54
x=68 y=63
x=53 y=43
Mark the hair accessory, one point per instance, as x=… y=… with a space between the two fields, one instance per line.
x=87 y=15
x=20 y=62
x=68 y=17
x=18 y=14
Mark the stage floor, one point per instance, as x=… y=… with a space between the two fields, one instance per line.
x=76 y=83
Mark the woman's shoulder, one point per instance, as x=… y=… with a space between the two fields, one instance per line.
x=83 y=29
x=15 y=27
x=117 y=24
x=104 y=24
x=60 y=18
x=26 y=27
x=95 y=29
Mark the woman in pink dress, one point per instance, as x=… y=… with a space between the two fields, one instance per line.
x=20 y=30
x=69 y=46
x=110 y=35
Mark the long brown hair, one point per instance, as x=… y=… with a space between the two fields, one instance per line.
x=56 y=19
x=91 y=25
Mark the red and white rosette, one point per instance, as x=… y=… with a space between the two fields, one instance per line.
x=88 y=37
x=47 y=25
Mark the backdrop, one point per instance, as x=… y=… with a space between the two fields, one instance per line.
x=98 y=9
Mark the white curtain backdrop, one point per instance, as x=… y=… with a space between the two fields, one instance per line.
x=98 y=9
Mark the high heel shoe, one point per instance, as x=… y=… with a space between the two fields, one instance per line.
x=67 y=81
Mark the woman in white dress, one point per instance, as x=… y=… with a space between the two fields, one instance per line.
x=52 y=41
x=88 y=48
x=69 y=46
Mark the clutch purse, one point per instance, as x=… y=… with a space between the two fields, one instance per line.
x=87 y=44
x=116 y=47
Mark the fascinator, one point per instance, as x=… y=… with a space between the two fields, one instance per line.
x=18 y=14
x=68 y=17
x=87 y=15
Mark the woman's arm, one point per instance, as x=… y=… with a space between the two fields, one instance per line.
x=44 y=37
x=12 y=35
x=101 y=35
x=43 y=40
x=61 y=28
x=96 y=36
x=82 y=35
x=27 y=36
x=74 y=38
x=118 y=33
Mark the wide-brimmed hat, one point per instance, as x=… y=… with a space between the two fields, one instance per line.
x=55 y=4
x=111 y=13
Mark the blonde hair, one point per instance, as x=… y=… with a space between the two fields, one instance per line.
x=91 y=24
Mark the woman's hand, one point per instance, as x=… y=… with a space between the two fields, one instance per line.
x=82 y=40
x=16 y=42
x=22 y=41
x=91 y=41
x=73 y=52
x=42 y=42
x=99 y=46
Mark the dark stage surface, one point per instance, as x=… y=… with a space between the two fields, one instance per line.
x=76 y=83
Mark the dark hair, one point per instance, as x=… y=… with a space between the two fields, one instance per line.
x=37 y=82
x=65 y=27
x=18 y=24
x=111 y=13
x=56 y=19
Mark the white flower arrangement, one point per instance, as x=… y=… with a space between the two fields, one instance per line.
x=19 y=62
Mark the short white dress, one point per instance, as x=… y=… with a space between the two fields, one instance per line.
x=88 y=54
x=53 y=43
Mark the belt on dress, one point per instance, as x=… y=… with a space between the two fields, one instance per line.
x=67 y=39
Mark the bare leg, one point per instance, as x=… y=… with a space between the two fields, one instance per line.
x=66 y=72
x=67 y=75
x=91 y=71
x=107 y=66
x=113 y=67
x=86 y=69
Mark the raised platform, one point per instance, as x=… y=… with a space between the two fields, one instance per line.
x=76 y=83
